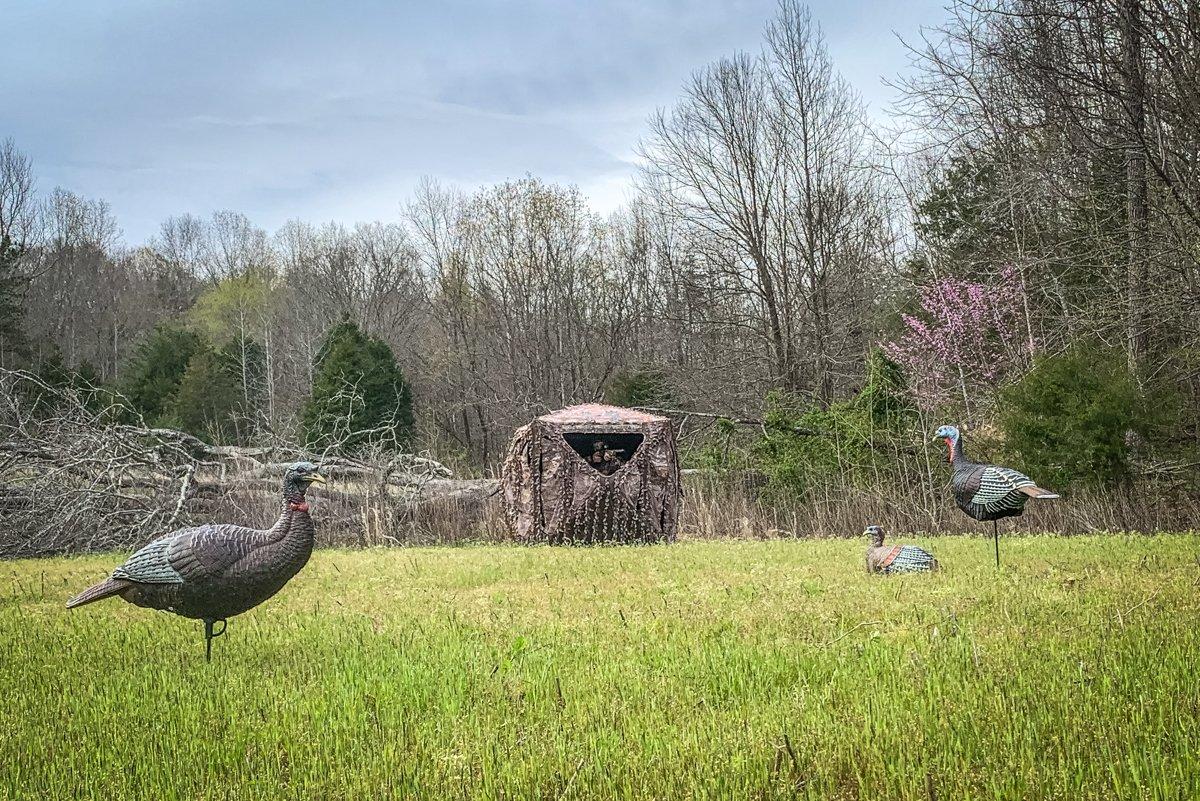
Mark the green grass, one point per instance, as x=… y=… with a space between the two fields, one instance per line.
x=698 y=670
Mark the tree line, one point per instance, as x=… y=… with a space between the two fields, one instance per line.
x=1015 y=250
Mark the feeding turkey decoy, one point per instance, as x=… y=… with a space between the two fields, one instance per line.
x=896 y=558
x=987 y=491
x=214 y=572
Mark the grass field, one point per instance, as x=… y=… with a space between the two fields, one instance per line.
x=711 y=670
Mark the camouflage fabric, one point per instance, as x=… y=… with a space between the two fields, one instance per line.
x=615 y=490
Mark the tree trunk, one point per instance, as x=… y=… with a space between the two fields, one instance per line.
x=1135 y=180
x=783 y=366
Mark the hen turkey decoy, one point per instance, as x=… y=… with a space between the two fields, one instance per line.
x=987 y=491
x=214 y=572
x=896 y=558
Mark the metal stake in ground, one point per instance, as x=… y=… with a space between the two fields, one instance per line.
x=210 y=635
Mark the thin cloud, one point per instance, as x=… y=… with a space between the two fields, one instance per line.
x=334 y=111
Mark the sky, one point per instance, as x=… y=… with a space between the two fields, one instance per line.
x=334 y=110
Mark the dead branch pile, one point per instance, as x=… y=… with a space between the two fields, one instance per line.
x=75 y=476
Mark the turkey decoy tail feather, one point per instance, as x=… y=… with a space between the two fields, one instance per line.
x=98 y=592
x=1039 y=493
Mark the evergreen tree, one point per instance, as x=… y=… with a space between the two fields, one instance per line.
x=884 y=396
x=86 y=381
x=358 y=386
x=208 y=400
x=157 y=368
x=960 y=220
x=12 y=333
x=647 y=386
x=83 y=383
x=53 y=370
x=86 y=376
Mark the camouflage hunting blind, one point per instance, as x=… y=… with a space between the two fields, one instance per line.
x=591 y=474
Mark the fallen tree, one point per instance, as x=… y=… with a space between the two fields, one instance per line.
x=77 y=476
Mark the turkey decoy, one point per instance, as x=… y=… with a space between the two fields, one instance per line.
x=987 y=491
x=896 y=558
x=214 y=572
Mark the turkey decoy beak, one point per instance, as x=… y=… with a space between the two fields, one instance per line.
x=316 y=478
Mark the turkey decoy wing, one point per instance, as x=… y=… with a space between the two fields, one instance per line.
x=150 y=564
x=997 y=483
x=207 y=552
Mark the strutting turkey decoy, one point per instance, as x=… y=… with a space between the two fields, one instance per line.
x=896 y=558
x=214 y=572
x=987 y=491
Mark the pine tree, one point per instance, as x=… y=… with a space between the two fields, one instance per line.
x=357 y=387
x=646 y=386
x=207 y=401
x=86 y=376
x=157 y=368
x=52 y=370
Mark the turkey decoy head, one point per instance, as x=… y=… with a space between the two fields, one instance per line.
x=949 y=434
x=876 y=534
x=301 y=476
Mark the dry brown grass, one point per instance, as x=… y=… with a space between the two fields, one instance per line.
x=724 y=506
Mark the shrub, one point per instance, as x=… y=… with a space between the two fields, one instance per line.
x=1069 y=419
x=806 y=446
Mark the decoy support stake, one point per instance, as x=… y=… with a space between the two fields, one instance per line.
x=209 y=634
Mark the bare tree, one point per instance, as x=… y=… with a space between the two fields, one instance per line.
x=17 y=214
x=236 y=248
x=529 y=307
x=764 y=156
x=182 y=242
x=830 y=220
x=1080 y=117
x=17 y=203
x=73 y=279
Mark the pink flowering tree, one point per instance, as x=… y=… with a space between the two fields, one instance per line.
x=965 y=337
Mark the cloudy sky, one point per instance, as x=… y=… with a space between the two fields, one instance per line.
x=333 y=110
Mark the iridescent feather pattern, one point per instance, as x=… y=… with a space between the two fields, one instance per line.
x=912 y=559
x=1000 y=490
x=151 y=564
x=987 y=491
